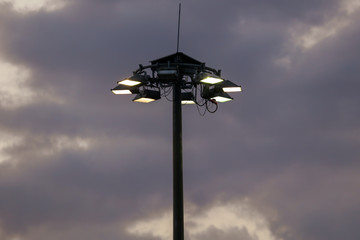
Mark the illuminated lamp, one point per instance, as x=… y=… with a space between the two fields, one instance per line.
x=187 y=98
x=134 y=80
x=147 y=96
x=209 y=78
x=221 y=97
x=122 y=89
x=228 y=86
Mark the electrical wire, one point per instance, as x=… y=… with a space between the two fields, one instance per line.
x=213 y=103
x=198 y=109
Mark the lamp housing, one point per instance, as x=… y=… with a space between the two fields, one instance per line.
x=123 y=89
x=147 y=96
x=187 y=98
x=134 y=80
x=209 y=78
x=221 y=97
x=214 y=92
x=229 y=86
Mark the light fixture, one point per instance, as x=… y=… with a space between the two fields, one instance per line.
x=221 y=97
x=134 y=80
x=190 y=81
x=229 y=86
x=187 y=98
x=210 y=78
x=147 y=96
x=122 y=89
x=216 y=93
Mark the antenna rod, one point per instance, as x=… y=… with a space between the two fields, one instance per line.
x=178 y=35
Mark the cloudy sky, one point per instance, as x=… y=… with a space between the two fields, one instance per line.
x=279 y=162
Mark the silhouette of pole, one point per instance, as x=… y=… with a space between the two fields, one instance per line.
x=178 y=207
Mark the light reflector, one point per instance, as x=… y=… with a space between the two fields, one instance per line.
x=129 y=82
x=187 y=98
x=147 y=96
x=209 y=78
x=232 y=89
x=126 y=91
x=144 y=100
x=221 y=97
x=229 y=86
x=133 y=80
x=122 y=89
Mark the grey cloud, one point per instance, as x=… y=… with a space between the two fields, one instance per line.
x=231 y=234
x=286 y=123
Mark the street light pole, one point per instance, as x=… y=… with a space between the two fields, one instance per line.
x=178 y=209
x=192 y=83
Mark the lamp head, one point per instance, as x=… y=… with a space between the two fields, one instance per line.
x=147 y=96
x=123 y=89
x=229 y=86
x=215 y=93
x=209 y=78
x=187 y=98
x=134 y=80
x=221 y=97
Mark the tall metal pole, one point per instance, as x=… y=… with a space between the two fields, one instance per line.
x=178 y=207
x=178 y=35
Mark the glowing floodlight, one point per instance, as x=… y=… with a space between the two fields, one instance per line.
x=147 y=96
x=122 y=89
x=229 y=86
x=187 y=98
x=134 y=80
x=221 y=97
x=210 y=78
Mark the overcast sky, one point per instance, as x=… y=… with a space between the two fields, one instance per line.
x=280 y=162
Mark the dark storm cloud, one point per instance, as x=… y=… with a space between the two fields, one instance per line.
x=289 y=142
x=74 y=190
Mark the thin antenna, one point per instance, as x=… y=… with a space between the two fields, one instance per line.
x=178 y=35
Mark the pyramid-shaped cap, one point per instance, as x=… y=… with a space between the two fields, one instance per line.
x=178 y=57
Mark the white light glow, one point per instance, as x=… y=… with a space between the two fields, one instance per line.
x=129 y=82
x=221 y=99
x=187 y=102
x=144 y=100
x=232 y=89
x=125 y=91
x=212 y=80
